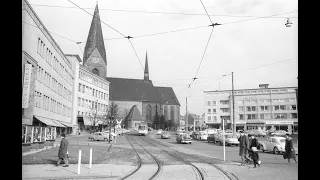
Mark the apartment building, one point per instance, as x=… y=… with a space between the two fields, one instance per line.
x=261 y=108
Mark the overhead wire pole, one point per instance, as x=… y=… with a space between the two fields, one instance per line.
x=233 y=115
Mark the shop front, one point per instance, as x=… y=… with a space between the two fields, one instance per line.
x=255 y=125
x=295 y=128
x=213 y=125
x=240 y=125
x=280 y=125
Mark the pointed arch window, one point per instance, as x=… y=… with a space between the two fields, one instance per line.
x=171 y=112
x=95 y=71
x=165 y=112
x=148 y=112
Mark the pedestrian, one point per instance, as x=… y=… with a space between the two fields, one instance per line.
x=255 y=145
x=255 y=157
x=63 y=149
x=290 y=152
x=243 y=146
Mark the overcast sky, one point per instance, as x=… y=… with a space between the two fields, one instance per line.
x=259 y=51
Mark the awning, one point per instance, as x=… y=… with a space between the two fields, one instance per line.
x=66 y=124
x=47 y=121
x=58 y=124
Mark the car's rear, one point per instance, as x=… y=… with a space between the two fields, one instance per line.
x=230 y=140
x=203 y=136
x=185 y=138
x=210 y=137
x=165 y=135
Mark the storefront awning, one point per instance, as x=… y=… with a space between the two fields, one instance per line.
x=47 y=121
x=58 y=124
x=66 y=124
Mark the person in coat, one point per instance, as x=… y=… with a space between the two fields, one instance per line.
x=63 y=149
x=255 y=156
x=290 y=152
x=243 y=146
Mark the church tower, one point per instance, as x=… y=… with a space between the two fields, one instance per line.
x=94 y=56
x=146 y=69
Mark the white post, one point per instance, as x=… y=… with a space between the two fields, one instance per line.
x=79 y=161
x=224 y=147
x=90 y=161
x=45 y=134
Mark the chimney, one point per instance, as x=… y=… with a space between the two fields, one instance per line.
x=262 y=86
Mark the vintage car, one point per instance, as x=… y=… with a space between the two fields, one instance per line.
x=159 y=131
x=212 y=137
x=183 y=138
x=279 y=133
x=257 y=133
x=275 y=144
x=99 y=136
x=165 y=135
x=202 y=136
x=229 y=140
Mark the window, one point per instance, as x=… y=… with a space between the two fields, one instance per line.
x=275 y=100
x=79 y=87
x=172 y=113
x=95 y=71
x=247 y=101
x=294 y=115
x=251 y=116
x=208 y=103
x=261 y=100
x=248 y=108
x=253 y=108
x=240 y=101
x=214 y=111
x=214 y=103
x=224 y=102
x=240 y=108
x=209 y=118
x=264 y=108
x=280 y=115
x=261 y=116
x=276 y=108
x=224 y=110
x=253 y=100
x=241 y=116
x=209 y=111
x=282 y=107
x=293 y=107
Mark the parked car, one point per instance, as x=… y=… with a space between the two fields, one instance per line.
x=274 y=143
x=203 y=136
x=258 y=133
x=165 y=135
x=194 y=135
x=229 y=140
x=179 y=131
x=211 y=137
x=99 y=136
x=159 y=131
x=183 y=138
x=113 y=135
x=279 y=133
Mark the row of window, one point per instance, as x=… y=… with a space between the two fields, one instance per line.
x=264 y=91
x=53 y=61
x=283 y=100
x=214 y=103
x=93 y=80
x=49 y=81
x=92 y=104
x=267 y=108
x=269 y=116
x=88 y=90
x=223 y=110
x=32 y=134
x=45 y=102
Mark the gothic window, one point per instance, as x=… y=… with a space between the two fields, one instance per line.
x=165 y=113
x=172 y=113
x=148 y=113
x=95 y=71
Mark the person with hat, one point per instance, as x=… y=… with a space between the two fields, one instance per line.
x=63 y=150
x=290 y=152
x=243 y=147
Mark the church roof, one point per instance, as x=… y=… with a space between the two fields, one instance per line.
x=95 y=38
x=121 y=89
x=134 y=114
x=167 y=96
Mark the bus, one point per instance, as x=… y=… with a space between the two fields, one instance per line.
x=143 y=129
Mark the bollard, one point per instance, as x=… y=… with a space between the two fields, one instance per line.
x=90 y=160
x=79 y=161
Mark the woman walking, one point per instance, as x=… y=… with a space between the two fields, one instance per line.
x=290 y=152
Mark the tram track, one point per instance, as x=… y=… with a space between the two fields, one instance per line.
x=227 y=174
x=140 y=162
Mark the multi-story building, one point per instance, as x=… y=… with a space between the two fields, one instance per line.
x=91 y=94
x=47 y=82
x=262 y=108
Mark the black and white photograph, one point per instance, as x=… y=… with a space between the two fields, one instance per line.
x=160 y=89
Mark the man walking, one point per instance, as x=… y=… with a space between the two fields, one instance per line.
x=290 y=152
x=62 y=154
x=243 y=146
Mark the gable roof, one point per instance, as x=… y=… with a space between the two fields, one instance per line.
x=134 y=114
x=167 y=96
x=121 y=89
x=95 y=38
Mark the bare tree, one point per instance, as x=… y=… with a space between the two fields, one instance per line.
x=111 y=116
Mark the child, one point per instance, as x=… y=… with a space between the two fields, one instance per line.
x=255 y=157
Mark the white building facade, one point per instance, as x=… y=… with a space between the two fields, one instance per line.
x=262 y=108
x=47 y=91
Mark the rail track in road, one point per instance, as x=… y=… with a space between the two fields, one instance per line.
x=228 y=175
x=140 y=164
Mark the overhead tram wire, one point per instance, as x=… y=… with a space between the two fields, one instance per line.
x=99 y=19
x=206 y=12
x=153 y=12
x=136 y=53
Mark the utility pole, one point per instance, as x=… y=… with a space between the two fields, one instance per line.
x=186 y=125
x=233 y=120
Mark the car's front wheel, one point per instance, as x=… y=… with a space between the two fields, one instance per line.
x=262 y=148
x=275 y=150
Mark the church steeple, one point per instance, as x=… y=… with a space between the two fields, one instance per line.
x=146 y=69
x=95 y=38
